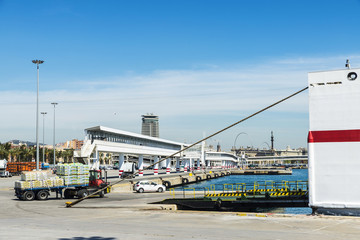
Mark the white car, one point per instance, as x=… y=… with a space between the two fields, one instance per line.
x=147 y=186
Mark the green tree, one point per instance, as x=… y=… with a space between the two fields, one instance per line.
x=68 y=154
x=3 y=152
x=14 y=154
x=48 y=154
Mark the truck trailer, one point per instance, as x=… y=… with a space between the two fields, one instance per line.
x=3 y=170
x=67 y=191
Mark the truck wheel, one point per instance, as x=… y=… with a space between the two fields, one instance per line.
x=167 y=184
x=101 y=194
x=67 y=194
x=82 y=193
x=29 y=196
x=42 y=195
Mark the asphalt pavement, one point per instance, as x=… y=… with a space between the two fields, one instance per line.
x=129 y=216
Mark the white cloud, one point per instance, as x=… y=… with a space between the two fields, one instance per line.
x=216 y=91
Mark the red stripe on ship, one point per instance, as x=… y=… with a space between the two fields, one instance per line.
x=334 y=136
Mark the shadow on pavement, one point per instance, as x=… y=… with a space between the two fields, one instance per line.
x=88 y=238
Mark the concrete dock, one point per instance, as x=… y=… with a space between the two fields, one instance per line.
x=128 y=215
x=184 y=178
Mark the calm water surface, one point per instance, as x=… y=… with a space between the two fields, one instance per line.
x=297 y=175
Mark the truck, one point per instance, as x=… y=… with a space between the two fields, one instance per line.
x=96 y=183
x=3 y=171
x=15 y=168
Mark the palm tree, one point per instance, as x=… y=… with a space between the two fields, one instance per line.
x=3 y=152
x=107 y=158
x=14 y=153
x=33 y=153
x=67 y=155
x=48 y=154
x=22 y=155
x=58 y=155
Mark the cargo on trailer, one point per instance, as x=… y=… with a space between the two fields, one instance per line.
x=71 y=180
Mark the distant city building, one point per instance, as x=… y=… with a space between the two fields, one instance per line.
x=150 y=125
x=20 y=142
x=257 y=152
x=73 y=144
x=218 y=148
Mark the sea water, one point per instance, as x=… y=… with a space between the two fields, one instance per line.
x=297 y=175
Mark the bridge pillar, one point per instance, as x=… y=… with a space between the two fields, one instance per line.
x=208 y=163
x=95 y=164
x=121 y=164
x=185 y=165
x=162 y=164
x=191 y=165
x=141 y=165
x=177 y=164
x=168 y=165
x=156 y=166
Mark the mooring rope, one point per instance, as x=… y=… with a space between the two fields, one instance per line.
x=70 y=204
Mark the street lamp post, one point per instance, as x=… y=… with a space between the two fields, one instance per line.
x=43 y=113
x=37 y=62
x=54 y=103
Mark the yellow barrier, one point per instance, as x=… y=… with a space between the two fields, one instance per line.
x=207 y=191
x=226 y=195
x=225 y=187
x=271 y=185
x=288 y=193
x=284 y=184
x=190 y=189
x=256 y=184
x=172 y=192
x=242 y=186
x=212 y=187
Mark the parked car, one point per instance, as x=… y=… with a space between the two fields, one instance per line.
x=147 y=186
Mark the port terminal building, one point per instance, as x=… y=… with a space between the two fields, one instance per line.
x=146 y=150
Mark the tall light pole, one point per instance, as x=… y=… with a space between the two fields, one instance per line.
x=54 y=103
x=43 y=113
x=37 y=62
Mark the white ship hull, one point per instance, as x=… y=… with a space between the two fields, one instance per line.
x=334 y=141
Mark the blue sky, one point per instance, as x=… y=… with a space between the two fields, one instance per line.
x=199 y=65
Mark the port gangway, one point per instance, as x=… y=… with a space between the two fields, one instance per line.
x=241 y=196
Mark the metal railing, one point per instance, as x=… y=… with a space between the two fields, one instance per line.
x=246 y=189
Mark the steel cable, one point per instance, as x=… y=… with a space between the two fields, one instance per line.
x=70 y=204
